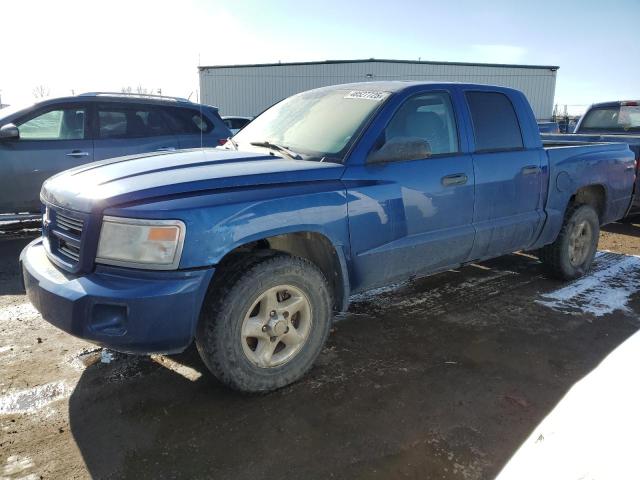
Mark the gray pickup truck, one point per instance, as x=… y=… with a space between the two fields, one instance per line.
x=609 y=122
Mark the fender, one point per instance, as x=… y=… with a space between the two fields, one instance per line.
x=220 y=222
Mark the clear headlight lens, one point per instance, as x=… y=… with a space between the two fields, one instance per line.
x=137 y=243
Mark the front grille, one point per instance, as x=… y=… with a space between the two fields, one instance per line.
x=69 y=224
x=64 y=234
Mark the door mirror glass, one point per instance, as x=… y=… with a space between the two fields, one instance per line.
x=399 y=149
x=9 y=132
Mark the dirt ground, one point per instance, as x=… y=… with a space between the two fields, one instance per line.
x=443 y=377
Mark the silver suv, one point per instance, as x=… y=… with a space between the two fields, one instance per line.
x=41 y=140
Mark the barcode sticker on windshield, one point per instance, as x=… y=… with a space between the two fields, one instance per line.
x=367 y=95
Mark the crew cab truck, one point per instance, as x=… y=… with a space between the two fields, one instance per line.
x=250 y=248
x=617 y=122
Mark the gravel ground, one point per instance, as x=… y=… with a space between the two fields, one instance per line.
x=443 y=377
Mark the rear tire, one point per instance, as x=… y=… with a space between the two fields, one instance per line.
x=572 y=254
x=265 y=322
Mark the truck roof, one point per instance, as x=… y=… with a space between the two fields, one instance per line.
x=400 y=85
x=616 y=103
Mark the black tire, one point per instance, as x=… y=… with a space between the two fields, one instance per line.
x=557 y=257
x=219 y=337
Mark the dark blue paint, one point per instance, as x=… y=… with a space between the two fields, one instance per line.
x=386 y=222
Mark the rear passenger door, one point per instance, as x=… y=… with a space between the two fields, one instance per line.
x=507 y=211
x=127 y=129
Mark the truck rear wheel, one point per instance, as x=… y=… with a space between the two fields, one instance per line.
x=572 y=254
x=265 y=322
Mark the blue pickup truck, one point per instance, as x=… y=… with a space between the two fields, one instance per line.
x=608 y=122
x=250 y=248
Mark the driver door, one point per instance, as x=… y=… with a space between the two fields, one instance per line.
x=412 y=217
x=51 y=140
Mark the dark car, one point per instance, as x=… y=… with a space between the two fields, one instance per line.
x=235 y=124
x=48 y=137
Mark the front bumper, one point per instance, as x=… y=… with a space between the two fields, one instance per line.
x=123 y=309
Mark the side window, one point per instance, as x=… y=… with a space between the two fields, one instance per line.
x=427 y=116
x=240 y=123
x=187 y=121
x=130 y=122
x=59 y=124
x=495 y=124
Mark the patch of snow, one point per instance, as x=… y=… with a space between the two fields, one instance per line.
x=15 y=465
x=374 y=292
x=592 y=432
x=602 y=292
x=33 y=399
x=18 y=312
x=106 y=356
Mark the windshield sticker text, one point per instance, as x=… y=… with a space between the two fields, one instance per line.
x=365 y=95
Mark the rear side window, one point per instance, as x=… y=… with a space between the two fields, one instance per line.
x=130 y=122
x=495 y=124
x=187 y=121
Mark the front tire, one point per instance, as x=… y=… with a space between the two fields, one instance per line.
x=265 y=323
x=572 y=254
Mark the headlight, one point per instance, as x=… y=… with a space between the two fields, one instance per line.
x=150 y=244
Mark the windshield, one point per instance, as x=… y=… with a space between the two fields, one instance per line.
x=315 y=124
x=624 y=118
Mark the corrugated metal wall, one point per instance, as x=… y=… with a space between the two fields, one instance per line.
x=247 y=90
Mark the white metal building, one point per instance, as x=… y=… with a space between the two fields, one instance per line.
x=246 y=90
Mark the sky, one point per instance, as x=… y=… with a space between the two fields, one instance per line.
x=73 y=46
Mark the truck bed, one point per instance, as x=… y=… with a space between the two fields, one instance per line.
x=552 y=142
x=565 y=139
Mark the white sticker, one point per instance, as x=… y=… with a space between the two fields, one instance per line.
x=367 y=95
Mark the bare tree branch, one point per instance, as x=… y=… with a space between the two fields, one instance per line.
x=41 y=91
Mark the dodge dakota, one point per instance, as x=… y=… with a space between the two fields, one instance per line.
x=249 y=249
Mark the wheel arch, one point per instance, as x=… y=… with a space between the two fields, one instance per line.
x=594 y=195
x=312 y=245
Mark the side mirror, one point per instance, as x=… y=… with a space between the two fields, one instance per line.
x=400 y=149
x=9 y=132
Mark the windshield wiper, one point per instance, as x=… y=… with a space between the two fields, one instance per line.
x=278 y=148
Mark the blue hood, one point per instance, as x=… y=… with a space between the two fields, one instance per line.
x=137 y=178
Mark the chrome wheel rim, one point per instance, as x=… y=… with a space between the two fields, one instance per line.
x=580 y=243
x=276 y=326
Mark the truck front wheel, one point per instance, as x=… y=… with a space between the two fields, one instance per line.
x=572 y=254
x=265 y=322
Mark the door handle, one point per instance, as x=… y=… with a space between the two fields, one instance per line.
x=530 y=170
x=456 y=179
x=166 y=149
x=78 y=154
